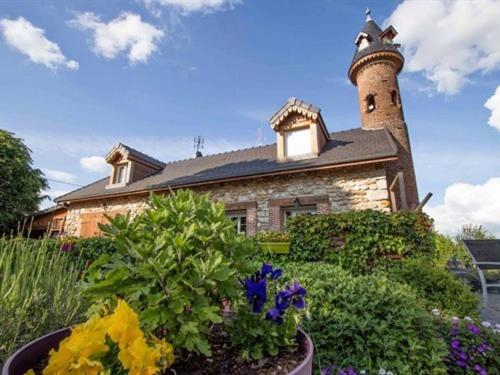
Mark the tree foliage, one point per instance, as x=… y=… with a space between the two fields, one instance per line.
x=20 y=183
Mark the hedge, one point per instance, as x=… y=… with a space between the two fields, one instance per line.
x=359 y=240
x=367 y=322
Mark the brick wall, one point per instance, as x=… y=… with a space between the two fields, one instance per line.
x=376 y=75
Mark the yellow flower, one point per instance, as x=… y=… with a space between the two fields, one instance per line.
x=86 y=340
x=166 y=351
x=85 y=366
x=30 y=372
x=144 y=358
x=124 y=325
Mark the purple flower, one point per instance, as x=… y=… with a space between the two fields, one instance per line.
x=463 y=356
x=455 y=344
x=461 y=363
x=480 y=370
x=256 y=292
x=475 y=330
x=294 y=295
x=275 y=315
x=484 y=347
x=267 y=270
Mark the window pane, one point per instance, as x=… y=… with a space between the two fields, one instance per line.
x=298 y=142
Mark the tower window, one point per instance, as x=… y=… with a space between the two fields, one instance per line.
x=395 y=97
x=370 y=103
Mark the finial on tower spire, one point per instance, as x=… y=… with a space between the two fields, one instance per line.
x=368 y=14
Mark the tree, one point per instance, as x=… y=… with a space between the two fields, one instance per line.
x=474 y=232
x=20 y=184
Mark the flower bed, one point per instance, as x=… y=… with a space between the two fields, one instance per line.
x=174 y=265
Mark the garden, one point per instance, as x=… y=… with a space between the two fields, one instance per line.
x=176 y=290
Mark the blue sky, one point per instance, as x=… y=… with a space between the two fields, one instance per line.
x=220 y=68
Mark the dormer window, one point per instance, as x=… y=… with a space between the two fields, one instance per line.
x=300 y=131
x=130 y=165
x=298 y=142
x=370 y=103
x=362 y=41
x=120 y=174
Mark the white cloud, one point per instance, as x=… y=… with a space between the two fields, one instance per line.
x=95 y=164
x=449 y=40
x=467 y=203
x=127 y=33
x=190 y=6
x=59 y=175
x=30 y=40
x=493 y=104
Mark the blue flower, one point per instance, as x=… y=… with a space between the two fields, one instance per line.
x=256 y=292
x=294 y=295
x=275 y=315
x=267 y=270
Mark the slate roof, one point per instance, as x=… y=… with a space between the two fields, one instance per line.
x=137 y=154
x=294 y=102
x=376 y=45
x=344 y=147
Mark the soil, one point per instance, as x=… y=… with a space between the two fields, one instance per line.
x=227 y=361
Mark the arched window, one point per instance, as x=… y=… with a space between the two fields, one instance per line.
x=395 y=97
x=370 y=103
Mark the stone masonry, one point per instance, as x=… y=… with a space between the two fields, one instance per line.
x=264 y=199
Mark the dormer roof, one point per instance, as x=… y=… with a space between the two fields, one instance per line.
x=294 y=105
x=128 y=152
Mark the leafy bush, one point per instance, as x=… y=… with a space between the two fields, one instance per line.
x=39 y=292
x=263 y=324
x=473 y=348
x=358 y=240
x=87 y=250
x=174 y=264
x=436 y=288
x=367 y=322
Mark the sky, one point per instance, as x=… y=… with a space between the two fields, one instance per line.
x=79 y=76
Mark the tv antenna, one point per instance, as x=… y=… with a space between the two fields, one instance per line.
x=199 y=144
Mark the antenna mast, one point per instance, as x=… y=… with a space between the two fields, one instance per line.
x=199 y=144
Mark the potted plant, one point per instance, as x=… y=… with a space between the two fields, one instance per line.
x=274 y=242
x=174 y=265
x=108 y=343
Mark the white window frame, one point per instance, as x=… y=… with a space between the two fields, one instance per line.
x=236 y=216
x=120 y=179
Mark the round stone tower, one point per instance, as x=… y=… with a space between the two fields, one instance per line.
x=374 y=71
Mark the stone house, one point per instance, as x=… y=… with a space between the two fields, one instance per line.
x=307 y=170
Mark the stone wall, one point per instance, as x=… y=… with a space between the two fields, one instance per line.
x=263 y=198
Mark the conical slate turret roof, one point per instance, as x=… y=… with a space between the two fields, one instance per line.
x=375 y=37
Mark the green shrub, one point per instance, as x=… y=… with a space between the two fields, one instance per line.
x=435 y=287
x=367 y=322
x=174 y=264
x=358 y=240
x=39 y=292
x=87 y=250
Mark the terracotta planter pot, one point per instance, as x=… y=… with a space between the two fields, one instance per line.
x=32 y=353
